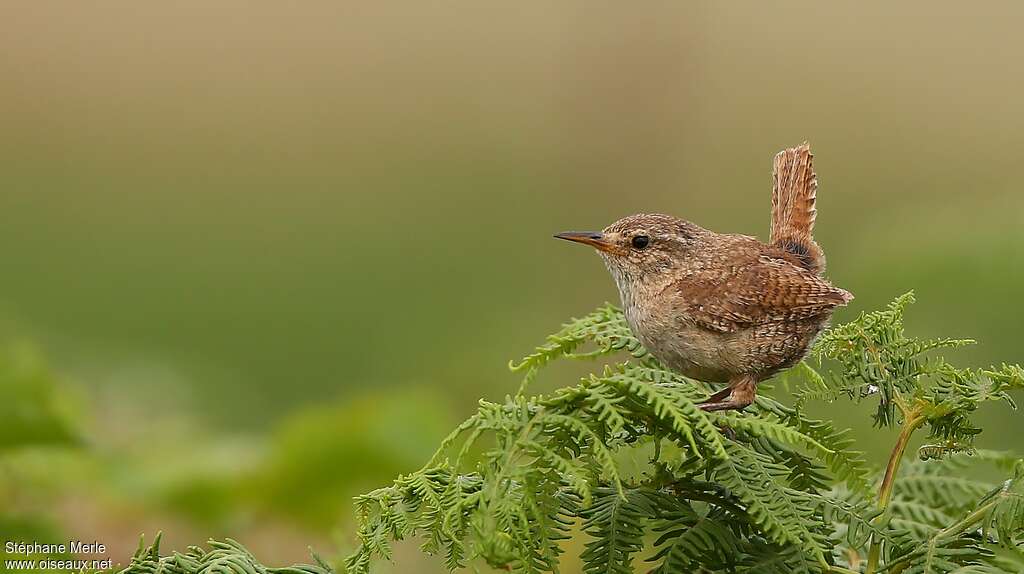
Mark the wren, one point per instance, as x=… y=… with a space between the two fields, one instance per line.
x=725 y=308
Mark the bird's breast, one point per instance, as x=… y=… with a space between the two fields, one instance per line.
x=680 y=344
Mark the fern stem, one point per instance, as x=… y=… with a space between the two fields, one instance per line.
x=912 y=420
x=966 y=523
x=910 y=424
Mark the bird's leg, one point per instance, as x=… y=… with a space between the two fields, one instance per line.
x=742 y=390
x=718 y=396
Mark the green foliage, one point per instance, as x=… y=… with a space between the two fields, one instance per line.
x=227 y=557
x=615 y=523
x=990 y=518
x=876 y=358
x=35 y=415
x=319 y=458
x=23 y=526
x=627 y=461
x=32 y=411
x=766 y=490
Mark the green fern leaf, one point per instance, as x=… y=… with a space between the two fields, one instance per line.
x=782 y=514
x=616 y=524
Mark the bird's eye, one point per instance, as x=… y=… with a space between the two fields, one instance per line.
x=641 y=241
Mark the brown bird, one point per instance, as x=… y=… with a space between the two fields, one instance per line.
x=725 y=308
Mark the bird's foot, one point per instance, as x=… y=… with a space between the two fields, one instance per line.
x=737 y=396
x=728 y=405
x=718 y=396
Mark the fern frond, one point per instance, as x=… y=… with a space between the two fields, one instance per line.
x=784 y=515
x=1005 y=516
x=604 y=401
x=223 y=557
x=772 y=427
x=1000 y=515
x=948 y=493
x=862 y=525
x=921 y=520
x=617 y=524
x=943 y=557
x=670 y=405
x=586 y=436
x=630 y=454
x=688 y=539
x=605 y=327
x=759 y=556
x=846 y=463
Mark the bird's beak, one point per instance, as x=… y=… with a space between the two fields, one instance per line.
x=595 y=239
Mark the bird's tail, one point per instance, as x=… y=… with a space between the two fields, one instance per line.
x=794 y=186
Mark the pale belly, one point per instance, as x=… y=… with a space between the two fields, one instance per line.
x=687 y=349
x=695 y=353
x=716 y=357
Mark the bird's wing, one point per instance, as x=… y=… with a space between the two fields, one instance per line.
x=794 y=187
x=766 y=290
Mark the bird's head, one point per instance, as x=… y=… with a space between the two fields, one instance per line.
x=637 y=246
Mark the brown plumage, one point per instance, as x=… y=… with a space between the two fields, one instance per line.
x=794 y=187
x=722 y=307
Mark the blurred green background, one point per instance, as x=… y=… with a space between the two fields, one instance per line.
x=263 y=256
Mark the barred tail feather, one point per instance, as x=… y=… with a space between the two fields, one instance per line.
x=794 y=185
